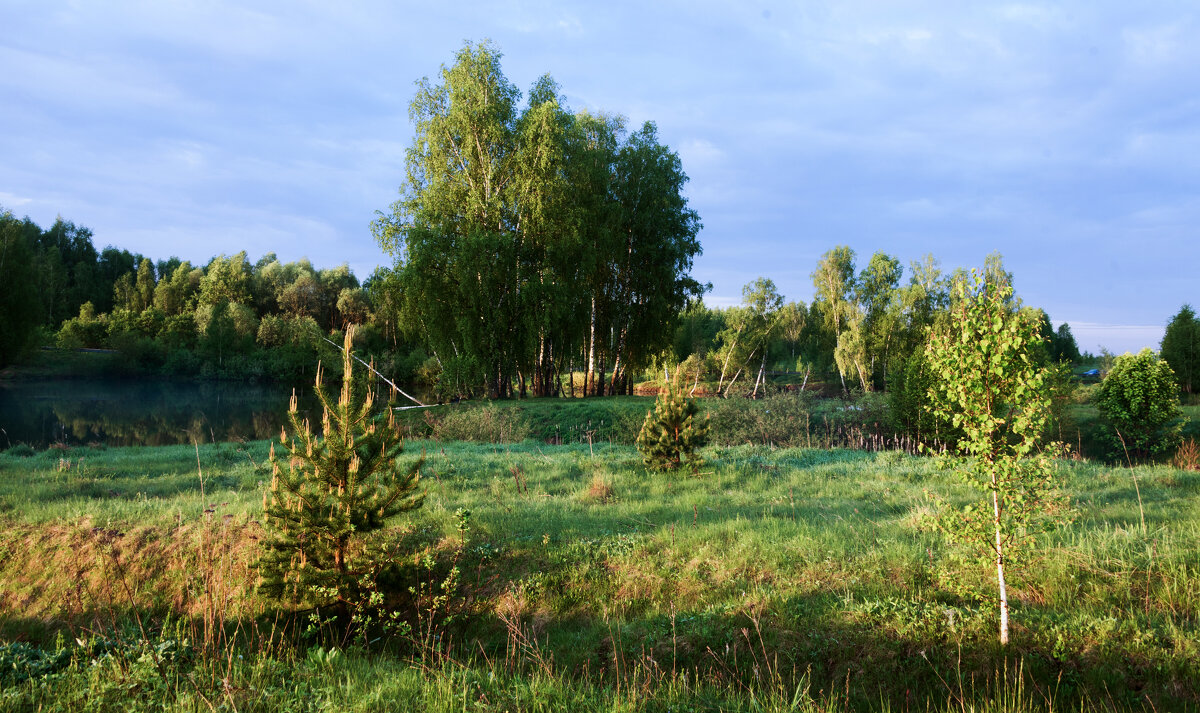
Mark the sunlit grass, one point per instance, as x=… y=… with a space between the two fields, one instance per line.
x=811 y=565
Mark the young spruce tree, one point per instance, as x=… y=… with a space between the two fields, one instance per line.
x=330 y=494
x=672 y=431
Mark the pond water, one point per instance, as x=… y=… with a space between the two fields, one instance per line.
x=142 y=412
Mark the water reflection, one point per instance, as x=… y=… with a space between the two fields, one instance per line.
x=124 y=413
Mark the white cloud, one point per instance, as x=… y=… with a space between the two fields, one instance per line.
x=700 y=152
x=11 y=200
x=1157 y=45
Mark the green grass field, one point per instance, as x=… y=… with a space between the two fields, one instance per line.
x=776 y=579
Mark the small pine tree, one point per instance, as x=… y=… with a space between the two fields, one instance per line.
x=333 y=493
x=672 y=431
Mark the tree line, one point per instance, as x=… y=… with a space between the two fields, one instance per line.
x=227 y=318
x=864 y=328
x=268 y=318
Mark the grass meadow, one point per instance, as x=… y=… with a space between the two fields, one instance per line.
x=774 y=579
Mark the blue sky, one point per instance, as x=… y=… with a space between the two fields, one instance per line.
x=1066 y=136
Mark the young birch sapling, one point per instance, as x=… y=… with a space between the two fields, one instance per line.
x=330 y=494
x=985 y=383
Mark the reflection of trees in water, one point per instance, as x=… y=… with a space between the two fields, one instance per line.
x=140 y=413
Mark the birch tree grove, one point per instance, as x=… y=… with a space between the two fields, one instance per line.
x=533 y=242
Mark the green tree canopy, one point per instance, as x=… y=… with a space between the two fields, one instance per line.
x=18 y=298
x=1181 y=348
x=527 y=238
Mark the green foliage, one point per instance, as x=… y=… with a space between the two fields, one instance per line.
x=909 y=402
x=672 y=432
x=985 y=383
x=1063 y=347
x=779 y=420
x=85 y=331
x=18 y=298
x=331 y=495
x=1061 y=387
x=172 y=318
x=746 y=339
x=1139 y=400
x=697 y=330
x=1181 y=349
x=507 y=212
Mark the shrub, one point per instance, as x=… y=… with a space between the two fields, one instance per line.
x=672 y=432
x=1139 y=399
x=600 y=489
x=85 y=331
x=1085 y=393
x=781 y=420
x=486 y=424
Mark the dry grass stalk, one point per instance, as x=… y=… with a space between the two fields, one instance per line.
x=1188 y=456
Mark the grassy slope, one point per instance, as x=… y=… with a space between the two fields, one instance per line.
x=792 y=566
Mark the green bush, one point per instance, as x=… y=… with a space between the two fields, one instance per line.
x=782 y=420
x=85 y=331
x=19 y=662
x=21 y=450
x=1085 y=393
x=486 y=424
x=1139 y=400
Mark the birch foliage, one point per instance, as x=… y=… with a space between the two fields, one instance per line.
x=985 y=383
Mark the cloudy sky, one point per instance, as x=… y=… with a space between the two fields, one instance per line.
x=1066 y=136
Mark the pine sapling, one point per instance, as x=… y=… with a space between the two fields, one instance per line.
x=330 y=494
x=672 y=432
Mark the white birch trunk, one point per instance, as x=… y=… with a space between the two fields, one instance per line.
x=591 y=365
x=1000 y=567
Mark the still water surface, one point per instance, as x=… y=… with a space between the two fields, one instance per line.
x=141 y=412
